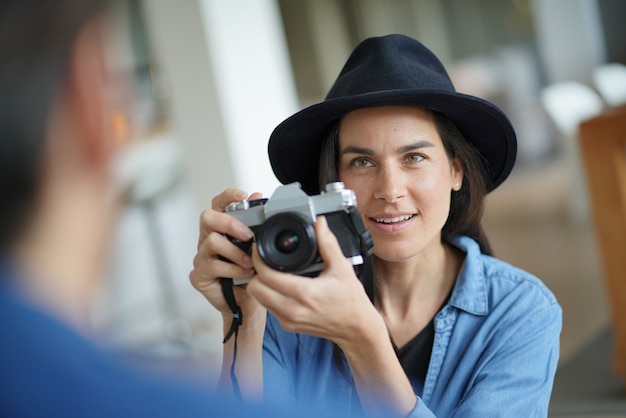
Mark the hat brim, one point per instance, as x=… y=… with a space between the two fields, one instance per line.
x=294 y=146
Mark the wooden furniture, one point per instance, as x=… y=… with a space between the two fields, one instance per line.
x=603 y=151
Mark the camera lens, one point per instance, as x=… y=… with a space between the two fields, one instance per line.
x=286 y=242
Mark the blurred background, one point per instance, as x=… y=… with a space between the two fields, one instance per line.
x=212 y=78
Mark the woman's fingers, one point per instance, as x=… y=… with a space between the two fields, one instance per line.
x=219 y=247
x=293 y=312
x=213 y=221
x=218 y=255
x=227 y=197
x=274 y=279
x=216 y=220
x=327 y=243
x=255 y=196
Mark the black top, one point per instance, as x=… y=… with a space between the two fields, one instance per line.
x=415 y=357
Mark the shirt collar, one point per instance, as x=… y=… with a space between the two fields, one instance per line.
x=470 y=289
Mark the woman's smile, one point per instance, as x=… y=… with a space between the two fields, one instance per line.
x=391 y=223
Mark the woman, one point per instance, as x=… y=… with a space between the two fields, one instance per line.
x=453 y=331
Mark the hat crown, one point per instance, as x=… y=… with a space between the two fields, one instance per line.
x=387 y=63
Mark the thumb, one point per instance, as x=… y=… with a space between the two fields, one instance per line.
x=327 y=243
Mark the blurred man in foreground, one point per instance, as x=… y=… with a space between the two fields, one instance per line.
x=59 y=134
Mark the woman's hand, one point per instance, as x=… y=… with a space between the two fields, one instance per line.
x=209 y=265
x=213 y=247
x=334 y=305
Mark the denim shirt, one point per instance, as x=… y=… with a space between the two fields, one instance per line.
x=495 y=351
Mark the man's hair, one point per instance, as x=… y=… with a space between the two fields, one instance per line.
x=36 y=38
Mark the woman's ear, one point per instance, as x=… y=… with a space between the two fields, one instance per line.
x=457 y=173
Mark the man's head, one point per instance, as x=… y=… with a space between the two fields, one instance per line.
x=57 y=142
x=38 y=40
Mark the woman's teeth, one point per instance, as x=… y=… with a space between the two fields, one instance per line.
x=393 y=220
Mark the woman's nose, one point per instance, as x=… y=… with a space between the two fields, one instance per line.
x=389 y=184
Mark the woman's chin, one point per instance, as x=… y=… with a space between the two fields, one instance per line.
x=393 y=255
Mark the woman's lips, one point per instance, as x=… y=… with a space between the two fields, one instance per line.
x=394 y=219
x=391 y=223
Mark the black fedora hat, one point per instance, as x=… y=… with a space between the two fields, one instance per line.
x=386 y=71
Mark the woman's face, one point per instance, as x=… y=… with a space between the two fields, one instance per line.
x=394 y=160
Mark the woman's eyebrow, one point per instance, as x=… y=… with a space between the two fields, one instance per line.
x=351 y=149
x=356 y=150
x=416 y=145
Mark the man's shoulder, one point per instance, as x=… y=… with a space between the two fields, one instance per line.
x=48 y=369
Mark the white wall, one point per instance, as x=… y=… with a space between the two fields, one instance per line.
x=569 y=37
x=231 y=84
x=229 y=80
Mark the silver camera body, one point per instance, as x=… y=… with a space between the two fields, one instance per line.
x=283 y=226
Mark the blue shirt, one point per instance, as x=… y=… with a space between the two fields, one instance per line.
x=495 y=350
x=49 y=370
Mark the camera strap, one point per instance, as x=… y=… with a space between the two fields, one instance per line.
x=229 y=295
x=365 y=272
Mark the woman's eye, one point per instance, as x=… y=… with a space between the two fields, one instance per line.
x=361 y=162
x=414 y=158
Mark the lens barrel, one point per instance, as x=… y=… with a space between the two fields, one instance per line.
x=287 y=242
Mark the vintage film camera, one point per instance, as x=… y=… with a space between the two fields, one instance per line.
x=284 y=232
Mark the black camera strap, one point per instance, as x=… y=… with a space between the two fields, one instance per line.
x=365 y=272
x=229 y=295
